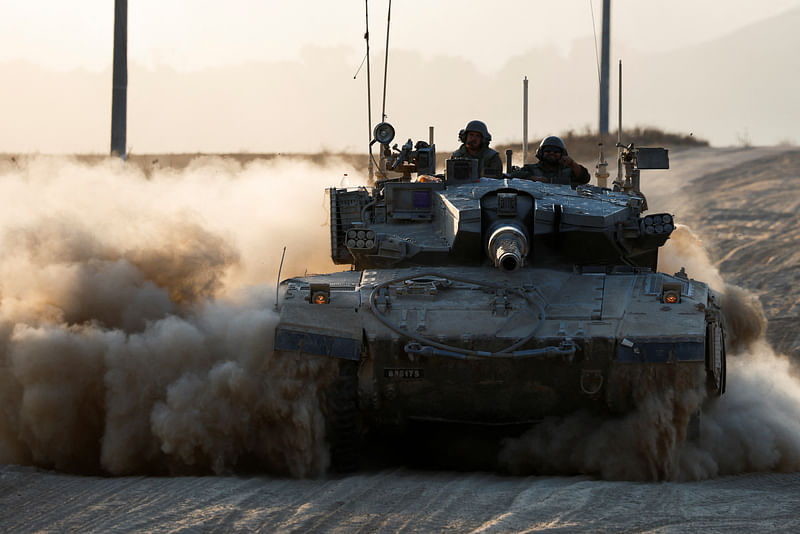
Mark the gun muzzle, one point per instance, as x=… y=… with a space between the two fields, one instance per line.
x=508 y=248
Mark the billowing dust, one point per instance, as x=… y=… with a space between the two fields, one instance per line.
x=136 y=319
x=754 y=426
x=136 y=327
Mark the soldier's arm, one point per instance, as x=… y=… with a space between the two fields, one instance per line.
x=580 y=174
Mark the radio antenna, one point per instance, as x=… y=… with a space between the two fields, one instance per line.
x=619 y=127
x=278 y=283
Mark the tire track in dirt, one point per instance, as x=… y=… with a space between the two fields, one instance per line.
x=392 y=501
x=746 y=213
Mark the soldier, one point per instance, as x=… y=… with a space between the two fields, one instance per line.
x=475 y=139
x=555 y=166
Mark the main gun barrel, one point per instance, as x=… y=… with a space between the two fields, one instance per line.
x=508 y=247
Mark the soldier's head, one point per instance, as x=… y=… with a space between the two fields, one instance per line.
x=551 y=149
x=475 y=136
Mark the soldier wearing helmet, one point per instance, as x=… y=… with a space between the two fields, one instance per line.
x=475 y=139
x=554 y=166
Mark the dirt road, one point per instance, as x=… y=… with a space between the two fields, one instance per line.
x=394 y=501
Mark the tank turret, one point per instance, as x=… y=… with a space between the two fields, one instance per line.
x=459 y=218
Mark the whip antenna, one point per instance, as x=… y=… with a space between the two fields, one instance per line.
x=596 y=52
x=386 y=60
x=359 y=67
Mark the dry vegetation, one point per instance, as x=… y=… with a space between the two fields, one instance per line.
x=583 y=146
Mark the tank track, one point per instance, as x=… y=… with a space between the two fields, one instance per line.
x=342 y=422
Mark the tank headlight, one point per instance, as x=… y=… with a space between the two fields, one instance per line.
x=671 y=296
x=320 y=293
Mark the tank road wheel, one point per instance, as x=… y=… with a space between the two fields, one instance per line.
x=715 y=374
x=342 y=424
x=715 y=360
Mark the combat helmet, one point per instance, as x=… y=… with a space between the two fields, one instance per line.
x=476 y=126
x=551 y=140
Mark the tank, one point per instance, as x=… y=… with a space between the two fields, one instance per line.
x=495 y=301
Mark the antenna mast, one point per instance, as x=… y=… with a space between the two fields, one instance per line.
x=619 y=126
x=369 y=94
x=524 y=121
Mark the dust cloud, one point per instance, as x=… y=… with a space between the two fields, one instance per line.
x=136 y=318
x=754 y=426
x=136 y=323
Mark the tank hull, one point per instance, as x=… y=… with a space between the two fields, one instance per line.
x=480 y=346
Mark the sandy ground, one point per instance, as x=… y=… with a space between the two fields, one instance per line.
x=752 y=238
x=394 y=501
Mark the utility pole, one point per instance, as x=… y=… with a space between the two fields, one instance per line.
x=119 y=94
x=602 y=165
x=605 y=68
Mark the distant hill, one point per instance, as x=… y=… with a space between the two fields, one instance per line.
x=739 y=89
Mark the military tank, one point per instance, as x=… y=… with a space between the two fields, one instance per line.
x=494 y=301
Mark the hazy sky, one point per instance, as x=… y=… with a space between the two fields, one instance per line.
x=288 y=46
x=193 y=34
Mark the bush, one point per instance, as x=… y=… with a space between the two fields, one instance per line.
x=584 y=146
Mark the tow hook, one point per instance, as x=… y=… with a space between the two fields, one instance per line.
x=591 y=381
